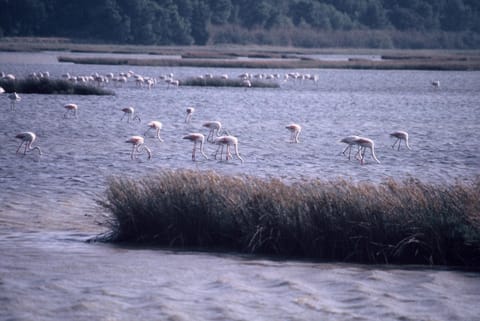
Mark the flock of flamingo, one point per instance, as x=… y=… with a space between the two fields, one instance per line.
x=214 y=136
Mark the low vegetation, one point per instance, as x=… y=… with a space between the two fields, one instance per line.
x=51 y=86
x=416 y=62
x=219 y=82
x=407 y=222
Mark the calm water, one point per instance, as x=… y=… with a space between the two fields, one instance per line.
x=48 y=202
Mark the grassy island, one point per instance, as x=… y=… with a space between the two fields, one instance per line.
x=51 y=86
x=407 y=222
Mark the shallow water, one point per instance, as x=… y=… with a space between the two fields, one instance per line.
x=49 y=272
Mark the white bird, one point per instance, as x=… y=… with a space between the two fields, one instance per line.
x=227 y=140
x=27 y=138
x=214 y=128
x=350 y=141
x=199 y=139
x=138 y=146
x=399 y=136
x=130 y=112
x=295 y=130
x=72 y=109
x=190 y=111
x=365 y=143
x=14 y=97
x=155 y=124
x=2 y=90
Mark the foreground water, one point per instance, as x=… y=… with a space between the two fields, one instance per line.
x=48 y=202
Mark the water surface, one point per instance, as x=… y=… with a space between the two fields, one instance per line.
x=48 y=202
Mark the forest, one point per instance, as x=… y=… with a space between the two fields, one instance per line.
x=300 y=23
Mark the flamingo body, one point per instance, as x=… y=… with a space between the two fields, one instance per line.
x=190 y=111
x=130 y=113
x=27 y=139
x=399 y=137
x=197 y=139
x=14 y=97
x=70 y=109
x=228 y=141
x=214 y=128
x=138 y=143
x=350 y=141
x=295 y=130
x=155 y=124
x=365 y=143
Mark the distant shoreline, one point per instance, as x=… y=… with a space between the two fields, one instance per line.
x=267 y=57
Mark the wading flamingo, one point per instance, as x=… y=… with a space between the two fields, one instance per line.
x=155 y=124
x=71 y=109
x=399 y=136
x=130 y=112
x=14 y=97
x=295 y=130
x=27 y=138
x=214 y=128
x=365 y=143
x=436 y=83
x=227 y=140
x=138 y=146
x=196 y=138
x=350 y=141
x=190 y=111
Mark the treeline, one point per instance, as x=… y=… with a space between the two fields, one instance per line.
x=305 y=23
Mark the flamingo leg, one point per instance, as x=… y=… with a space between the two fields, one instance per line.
x=193 y=151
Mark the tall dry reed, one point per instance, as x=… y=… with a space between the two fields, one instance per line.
x=391 y=222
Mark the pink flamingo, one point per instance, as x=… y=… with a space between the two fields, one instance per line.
x=365 y=143
x=196 y=138
x=72 y=109
x=350 y=141
x=399 y=136
x=214 y=127
x=138 y=146
x=190 y=111
x=27 y=138
x=14 y=97
x=130 y=111
x=155 y=124
x=227 y=140
x=295 y=130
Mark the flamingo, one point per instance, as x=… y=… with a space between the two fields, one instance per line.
x=227 y=140
x=190 y=111
x=130 y=111
x=365 y=143
x=27 y=138
x=436 y=83
x=2 y=90
x=350 y=141
x=196 y=138
x=14 y=97
x=71 y=108
x=155 y=124
x=138 y=143
x=295 y=130
x=214 y=127
x=399 y=136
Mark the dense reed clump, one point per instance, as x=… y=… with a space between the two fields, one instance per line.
x=219 y=82
x=392 y=222
x=51 y=86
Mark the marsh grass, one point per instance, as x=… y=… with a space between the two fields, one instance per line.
x=51 y=86
x=407 y=222
x=219 y=82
